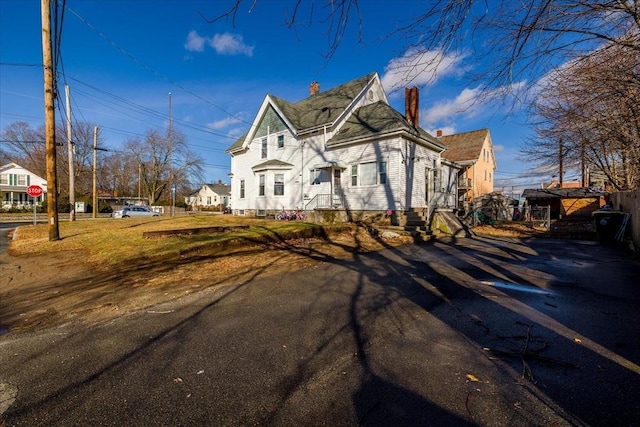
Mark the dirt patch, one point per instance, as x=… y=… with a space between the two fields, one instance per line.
x=48 y=289
x=518 y=230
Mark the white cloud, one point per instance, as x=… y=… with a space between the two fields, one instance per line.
x=221 y=124
x=465 y=103
x=195 y=43
x=498 y=148
x=419 y=67
x=230 y=44
x=223 y=44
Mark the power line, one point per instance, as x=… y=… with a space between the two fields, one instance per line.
x=151 y=70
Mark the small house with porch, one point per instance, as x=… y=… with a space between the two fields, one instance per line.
x=210 y=197
x=14 y=181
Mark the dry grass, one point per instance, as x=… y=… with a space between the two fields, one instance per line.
x=114 y=241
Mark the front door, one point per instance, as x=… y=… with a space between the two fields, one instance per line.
x=428 y=181
x=337 y=187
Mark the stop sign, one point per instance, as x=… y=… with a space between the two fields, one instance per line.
x=34 y=190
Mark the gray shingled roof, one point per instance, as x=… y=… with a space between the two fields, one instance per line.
x=378 y=118
x=464 y=147
x=317 y=110
x=560 y=193
x=220 y=189
x=325 y=107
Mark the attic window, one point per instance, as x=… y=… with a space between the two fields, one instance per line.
x=370 y=95
x=344 y=129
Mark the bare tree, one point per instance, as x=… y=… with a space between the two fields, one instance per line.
x=163 y=161
x=592 y=106
x=527 y=39
x=25 y=145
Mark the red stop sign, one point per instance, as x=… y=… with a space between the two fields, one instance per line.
x=34 y=190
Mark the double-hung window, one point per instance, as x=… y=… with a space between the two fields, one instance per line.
x=263 y=154
x=314 y=176
x=371 y=173
x=278 y=184
x=261 y=183
x=242 y=188
x=280 y=141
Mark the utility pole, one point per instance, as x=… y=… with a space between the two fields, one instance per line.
x=50 y=122
x=72 y=184
x=171 y=183
x=560 y=171
x=94 y=210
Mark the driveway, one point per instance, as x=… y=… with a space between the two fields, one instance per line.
x=481 y=331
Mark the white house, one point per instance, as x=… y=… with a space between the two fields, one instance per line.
x=210 y=196
x=14 y=180
x=345 y=150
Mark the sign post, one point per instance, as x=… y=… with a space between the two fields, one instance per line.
x=34 y=191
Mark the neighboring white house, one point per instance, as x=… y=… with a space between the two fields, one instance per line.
x=14 y=180
x=345 y=149
x=210 y=196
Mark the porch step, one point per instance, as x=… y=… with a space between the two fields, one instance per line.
x=415 y=221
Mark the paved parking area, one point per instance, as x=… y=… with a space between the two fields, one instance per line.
x=482 y=331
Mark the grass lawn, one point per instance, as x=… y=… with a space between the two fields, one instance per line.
x=114 y=241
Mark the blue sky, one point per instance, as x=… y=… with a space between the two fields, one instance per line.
x=122 y=58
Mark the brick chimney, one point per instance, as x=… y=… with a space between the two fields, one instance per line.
x=314 y=88
x=411 y=105
x=439 y=133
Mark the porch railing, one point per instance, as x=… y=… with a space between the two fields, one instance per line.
x=326 y=201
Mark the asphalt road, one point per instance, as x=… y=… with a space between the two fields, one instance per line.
x=467 y=332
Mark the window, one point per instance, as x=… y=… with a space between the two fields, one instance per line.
x=261 y=185
x=370 y=173
x=315 y=176
x=264 y=148
x=208 y=200
x=242 y=188
x=280 y=141
x=278 y=185
x=261 y=212
x=4 y=179
x=22 y=179
x=436 y=181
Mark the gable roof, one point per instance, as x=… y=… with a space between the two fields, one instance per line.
x=376 y=119
x=13 y=165
x=325 y=108
x=464 y=147
x=321 y=109
x=220 y=189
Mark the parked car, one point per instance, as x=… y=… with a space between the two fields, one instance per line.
x=134 y=211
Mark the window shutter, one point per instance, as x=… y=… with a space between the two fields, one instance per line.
x=28 y=180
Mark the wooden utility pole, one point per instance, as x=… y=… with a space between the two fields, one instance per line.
x=72 y=183
x=50 y=122
x=94 y=209
x=171 y=183
x=560 y=171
